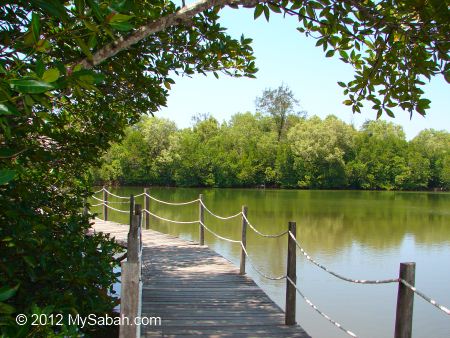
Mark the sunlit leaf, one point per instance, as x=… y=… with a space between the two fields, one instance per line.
x=51 y=75
x=8 y=109
x=30 y=86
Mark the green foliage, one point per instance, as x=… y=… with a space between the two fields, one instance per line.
x=56 y=121
x=280 y=104
x=321 y=149
x=393 y=46
x=62 y=105
x=245 y=152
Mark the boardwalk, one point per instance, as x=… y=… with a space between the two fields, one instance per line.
x=195 y=291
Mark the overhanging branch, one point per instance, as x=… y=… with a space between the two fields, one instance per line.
x=184 y=15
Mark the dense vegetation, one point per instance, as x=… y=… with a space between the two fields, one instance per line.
x=246 y=152
x=74 y=74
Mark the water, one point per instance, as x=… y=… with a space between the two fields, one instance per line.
x=363 y=235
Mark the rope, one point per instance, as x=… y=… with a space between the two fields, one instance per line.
x=350 y=333
x=168 y=203
x=96 y=192
x=110 y=202
x=217 y=216
x=358 y=281
x=110 y=207
x=428 y=299
x=110 y=193
x=218 y=236
x=166 y=219
x=262 y=234
x=257 y=270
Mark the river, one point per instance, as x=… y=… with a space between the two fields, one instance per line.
x=359 y=234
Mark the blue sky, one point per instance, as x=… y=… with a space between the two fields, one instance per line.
x=283 y=55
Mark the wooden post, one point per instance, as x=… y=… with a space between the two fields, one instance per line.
x=147 y=207
x=291 y=292
x=201 y=211
x=131 y=209
x=405 y=301
x=130 y=299
x=133 y=243
x=243 y=239
x=105 y=201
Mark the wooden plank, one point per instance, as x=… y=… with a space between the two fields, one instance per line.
x=196 y=291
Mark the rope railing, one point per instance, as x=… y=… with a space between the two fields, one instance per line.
x=166 y=219
x=117 y=196
x=425 y=297
x=292 y=240
x=350 y=333
x=217 y=216
x=111 y=202
x=358 y=281
x=217 y=235
x=112 y=208
x=263 y=234
x=257 y=269
x=169 y=203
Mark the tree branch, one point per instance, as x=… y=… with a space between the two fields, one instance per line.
x=184 y=15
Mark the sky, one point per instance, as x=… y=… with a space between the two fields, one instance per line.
x=283 y=55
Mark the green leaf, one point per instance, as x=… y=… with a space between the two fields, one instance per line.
x=30 y=86
x=348 y=102
x=258 y=11
x=266 y=13
x=342 y=84
x=7 y=292
x=42 y=45
x=274 y=8
x=121 y=26
x=330 y=53
x=8 y=109
x=167 y=84
x=117 y=17
x=389 y=112
x=35 y=26
x=84 y=47
x=51 y=75
x=95 y=9
x=52 y=7
x=7 y=175
x=89 y=76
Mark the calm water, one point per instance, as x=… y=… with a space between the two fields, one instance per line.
x=362 y=235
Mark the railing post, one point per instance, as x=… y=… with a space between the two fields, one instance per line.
x=292 y=275
x=243 y=239
x=133 y=243
x=405 y=301
x=131 y=209
x=201 y=212
x=130 y=299
x=147 y=207
x=105 y=202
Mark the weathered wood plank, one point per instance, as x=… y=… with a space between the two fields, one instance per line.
x=196 y=291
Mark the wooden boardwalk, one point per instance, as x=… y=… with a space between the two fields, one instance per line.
x=197 y=292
